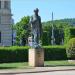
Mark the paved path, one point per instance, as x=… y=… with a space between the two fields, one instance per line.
x=41 y=70
x=52 y=73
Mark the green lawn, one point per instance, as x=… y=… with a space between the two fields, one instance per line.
x=14 y=65
x=59 y=63
x=25 y=64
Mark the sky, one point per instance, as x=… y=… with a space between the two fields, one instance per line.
x=61 y=9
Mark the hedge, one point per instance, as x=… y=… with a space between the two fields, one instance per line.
x=20 y=54
x=70 y=49
x=55 y=53
x=13 y=54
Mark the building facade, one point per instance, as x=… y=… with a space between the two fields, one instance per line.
x=5 y=23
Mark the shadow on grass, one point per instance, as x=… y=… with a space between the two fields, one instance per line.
x=57 y=65
x=7 y=67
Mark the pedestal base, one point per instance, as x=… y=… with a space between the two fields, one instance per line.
x=36 y=57
x=71 y=61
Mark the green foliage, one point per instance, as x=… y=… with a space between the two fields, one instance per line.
x=69 y=33
x=59 y=35
x=20 y=54
x=63 y=29
x=45 y=38
x=55 y=53
x=59 y=30
x=22 y=30
x=70 y=49
x=72 y=32
x=13 y=54
x=66 y=35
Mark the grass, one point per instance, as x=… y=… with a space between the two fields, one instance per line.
x=24 y=65
x=13 y=65
x=59 y=63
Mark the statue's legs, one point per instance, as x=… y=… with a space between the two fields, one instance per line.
x=35 y=38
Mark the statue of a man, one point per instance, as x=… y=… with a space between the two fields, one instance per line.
x=36 y=29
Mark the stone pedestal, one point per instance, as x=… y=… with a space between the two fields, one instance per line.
x=71 y=61
x=36 y=57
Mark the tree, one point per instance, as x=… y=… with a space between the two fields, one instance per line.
x=22 y=31
x=59 y=30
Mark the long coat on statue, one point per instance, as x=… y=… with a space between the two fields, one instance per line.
x=36 y=29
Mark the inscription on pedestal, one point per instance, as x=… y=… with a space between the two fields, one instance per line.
x=36 y=57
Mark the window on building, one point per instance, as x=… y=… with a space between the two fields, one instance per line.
x=0 y=37
x=6 y=4
x=0 y=4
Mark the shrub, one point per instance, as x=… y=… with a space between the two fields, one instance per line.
x=69 y=33
x=70 y=49
x=13 y=54
x=55 y=53
x=20 y=54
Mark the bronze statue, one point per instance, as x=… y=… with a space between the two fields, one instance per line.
x=36 y=29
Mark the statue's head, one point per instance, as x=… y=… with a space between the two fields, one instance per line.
x=36 y=11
